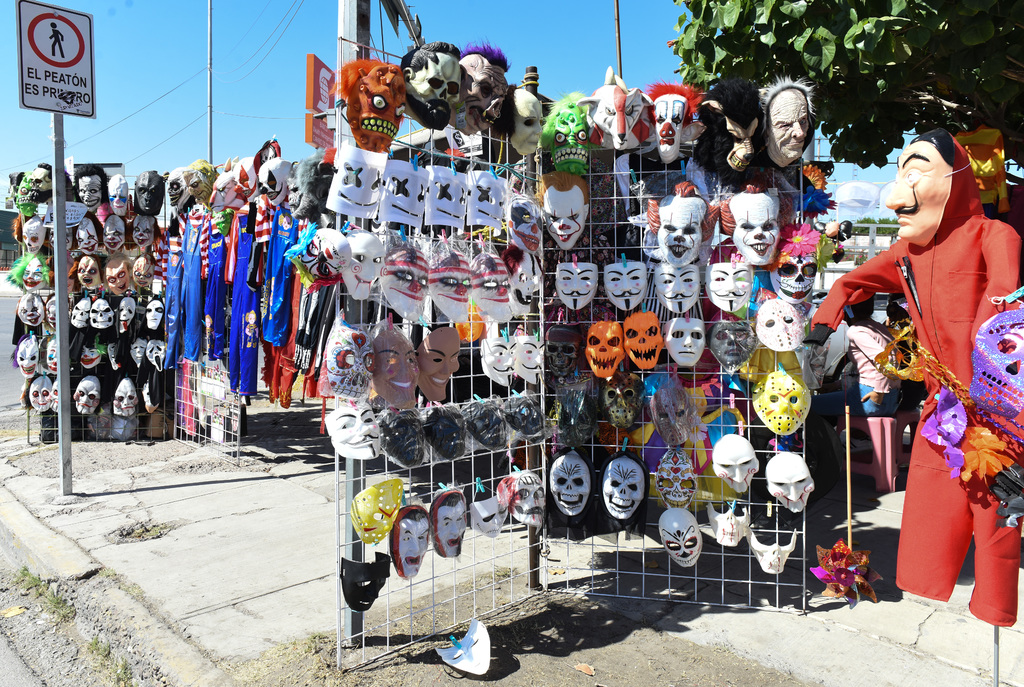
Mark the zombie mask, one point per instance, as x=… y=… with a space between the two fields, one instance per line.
x=732 y=343
x=444 y=429
x=41 y=181
x=497 y=356
x=606 y=348
x=28 y=356
x=576 y=283
x=490 y=284
x=22 y=201
x=375 y=509
x=80 y=312
x=527 y=117
x=621 y=399
x=402 y=438
x=34 y=234
x=522 y=495
x=40 y=390
x=623 y=485
x=524 y=219
x=87 y=395
x=438 y=356
x=395 y=368
x=90 y=357
x=685 y=340
x=92 y=186
x=403 y=279
x=487 y=516
x=729 y=284
x=432 y=82
x=577 y=416
x=566 y=200
x=619 y=117
x=772 y=558
x=483 y=88
x=405 y=193
x=86 y=236
x=447 y=194
x=142 y=271
x=448 y=522
x=374 y=102
x=789 y=480
x=116 y=274
x=782 y=402
x=354 y=432
x=680 y=222
x=527 y=354
x=779 y=325
x=563 y=348
x=571 y=482
x=673 y=413
x=410 y=538
x=675 y=479
x=788 y=110
x=677 y=287
x=487 y=193
x=625 y=283
x=126 y=398
x=566 y=135
x=449 y=281
x=674 y=105
x=117 y=189
x=733 y=460
x=681 y=536
x=125 y=313
x=754 y=220
x=526 y=276
x=729 y=530
x=31 y=309
x=89 y=273
x=924 y=183
x=644 y=342
x=356 y=187
x=143 y=231
x=149 y=193
x=177 y=190
x=362 y=582
x=101 y=315
x=348 y=362
x=366 y=263
x=485 y=422
x=997 y=386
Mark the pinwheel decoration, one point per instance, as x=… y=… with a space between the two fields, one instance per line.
x=845 y=573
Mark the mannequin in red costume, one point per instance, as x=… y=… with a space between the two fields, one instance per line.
x=957 y=260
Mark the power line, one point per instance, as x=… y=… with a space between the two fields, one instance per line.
x=201 y=115
x=235 y=114
x=269 y=36
x=283 y=32
x=251 y=26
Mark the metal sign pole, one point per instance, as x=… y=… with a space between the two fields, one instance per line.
x=60 y=282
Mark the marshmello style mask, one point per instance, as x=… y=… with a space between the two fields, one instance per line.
x=487 y=193
x=789 y=480
x=354 y=432
x=734 y=461
x=405 y=193
x=576 y=283
x=356 y=187
x=681 y=536
x=729 y=530
x=447 y=194
x=365 y=265
x=625 y=283
x=685 y=340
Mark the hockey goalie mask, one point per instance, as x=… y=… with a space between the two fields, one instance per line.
x=779 y=325
x=625 y=283
x=685 y=340
x=354 y=432
x=567 y=202
x=682 y=222
x=375 y=509
x=490 y=284
x=395 y=367
x=753 y=218
x=576 y=283
x=621 y=399
x=487 y=193
x=117 y=189
x=447 y=194
x=349 y=362
x=734 y=461
x=403 y=279
x=405 y=193
x=410 y=539
x=789 y=480
x=356 y=187
x=374 y=95
x=677 y=287
x=681 y=536
x=782 y=402
x=619 y=117
x=525 y=221
x=522 y=495
x=449 y=281
x=729 y=529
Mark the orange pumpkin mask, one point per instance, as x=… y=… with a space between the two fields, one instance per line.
x=644 y=341
x=374 y=93
x=473 y=328
x=605 y=348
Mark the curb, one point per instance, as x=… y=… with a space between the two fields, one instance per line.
x=155 y=651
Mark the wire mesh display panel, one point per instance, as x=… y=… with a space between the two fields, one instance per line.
x=206 y=412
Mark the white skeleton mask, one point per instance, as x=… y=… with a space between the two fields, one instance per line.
x=772 y=558
x=679 y=233
x=568 y=211
x=487 y=517
x=126 y=398
x=675 y=479
x=348 y=358
x=87 y=237
x=729 y=530
x=356 y=187
x=789 y=480
x=80 y=313
x=117 y=189
x=405 y=193
x=576 y=283
x=137 y=351
x=734 y=461
x=757 y=226
x=680 y=536
x=729 y=286
x=622 y=486
x=34 y=233
x=125 y=313
x=28 y=356
x=365 y=265
x=154 y=313
x=101 y=315
x=497 y=356
x=525 y=282
x=529 y=356
x=625 y=283
x=780 y=325
x=527 y=125
x=39 y=392
x=87 y=395
x=31 y=309
x=685 y=340
x=571 y=482
x=354 y=432
x=677 y=286
x=143 y=230
x=793 y=279
x=446 y=197
x=525 y=222
x=487 y=193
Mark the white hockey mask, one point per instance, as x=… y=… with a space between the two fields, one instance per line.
x=39 y=392
x=734 y=461
x=487 y=193
x=685 y=340
x=780 y=325
x=773 y=557
x=405 y=193
x=677 y=287
x=446 y=197
x=101 y=315
x=487 y=517
x=497 y=356
x=571 y=483
x=622 y=487
x=729 y=530
x=365 y=265
x=126 y=398
x=757 y=226
x=354 y=432
x=28 y=356
x=87 y=395
x=528 y=357
x=679 y=233
x=789 y=480
x=143 y=230
x=524 y=283
x=729 y=285
x=681 y=536
x=31 y=309
x=625 y=283
x=356 y=186
x=576 y=283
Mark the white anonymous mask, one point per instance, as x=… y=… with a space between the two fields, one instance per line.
x=523 y=492
x=677 y=286
x=487 y=194
x=356 y=186
x=28 y=356
x=679 y=228
x=576 y=283
x=779 y=325
x=497 y=356
x=789 y=480
x=734 y=461
x=489 y=280
x=625 y=283
x=87 y=237
x=524 y=283
x=34 y=233
x=446 y=197
x=154 y=313
x=571 y=482
x=143 y=230
x=525 y=222
x=793 y=279
x=567 y=212
x=126 y=398
x=137 y=350
x=622 y=487
x=101 y=315
x=405 y=192
x=31 y=309
x=80 y=313
x=90 y=357
x=729 y=285
x=685 y=340
x=757 y=226
x=354 y=432
x=487 y=517
x=772 y=558
x=87 y=395
x=365 y=265
x=39 y=392
x=680 y=536
x=729 y=530
x=527 y=122
x=117 y=189
x=449 y=282
x=403 y=280
x=528 y=356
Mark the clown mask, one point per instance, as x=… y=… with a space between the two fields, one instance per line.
x=405 y=193
x=432 y=81
x=356 y=187
x=34 y=275
x=438 y=357
x=149 y=193
x=729 y=530
x=732 y=343
x=756 y=232
x=606 y=348
x=528 y=354
x=487 y=517
x=117 y=189
x=375 y=509
x=51 y=312
x=644 y=342
x=354 y=432
x=733 y=461
x=677 y=287
x=623 y=485
x=31 y=309
x=40 y=391
x=563 y=348
x=729 y=285
x=522 y=495
x=273 y=180
x=87 y=395
x=566 y=200
x=326 y=256
x=497 y=356
x=449 y=282
x=395 y=368
x=126 y=398
x=673 y=118
x=27 y=356
x=679 y=222
x=34 y=234
x=348 y=362
x=142 y=272
x=675 y=479
x=779 y=325
x=116 y=274
x=571 y=482
x=525 y=282
x=673 y=413
x=789 y=480
x=86 y=236
x=482 y=90
x=526 y=116
x=680 y=536
x=448 y=523
x=524 y=218
x=782 y=402
x=576 y=283
x=621 y=399
x=375 y=102
x=772 y=559
x=490 y=282
x=51 y=357
x=685 y=340
x=91 y=191
x=90 y=357
x=403 y=279
x=447 y=194
x=365 y=265
x=143 y=231
x=487 y=193
x=410 y=540
x=625 y=283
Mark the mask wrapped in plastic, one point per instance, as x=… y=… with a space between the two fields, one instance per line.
x=525 y=418
x=497 y=355
x=485 y=423
x=449 y=281
x=673 y=412
x=490 y=284
x=401 y=437
x=448 y=522
x=347 y=365
x=445 y=432
x=366 y=263
x=395 y=366
x=621 y=399
x=577 y=415
x=487 y=517
x=403 y=280
x=522 y=495
x=732 y=343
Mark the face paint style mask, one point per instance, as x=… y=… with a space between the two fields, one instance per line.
x=432 y=82
x=471 y=655
x=732 y=343
x=571 y=482
x=679 y=222
x=87 y=395
x=685 y=340
x=680 y=535
x=527 y=355
x=756 y=232
x=577 y=416
x=779 y=325
x=621 y=398
x=405 y=193
x=154 y=314
x=118 y=195
x=374 y=92
x=487 y=193
x=675 y=478
x=86 y=236
x=362 y=582
x=566 y=201
x=149 y=193
x=490 y=282
x=487 y=517
x=101 y=315
x=375 y=509
x=525 y=418
x=438 y=356
x=142 y=272
x=606 y=348
x=356 y=187
x=623 y=485
x=449 y=281
x=90 y=357
x=39 y=392
x=395 y=367
x=625 y=283
x=403 y=279
x=401 y=437
x=997 y=385
x=28 y=356
x=525 y=282
x=644 y=342
x=525 y=219
x=729 y=530
x=674 y=105
x=789 y=480
x=34 y=233
x=563 y=348
x=782 y=402
x=794 y=277
x=673 y=413
x=485 y=422
x=677 y=288
x=366 y=263
x=354 y=431
x=772 y=558
x=126 y=398
x=410 y=539
x=522 y=495
x=446 y=197
x=729 y=286
x=527 y=118
x=734 y=461
x=445 y=432
x=497 y=357
x=448 y=522
x=30 y=310
x=576 y=283
x=325 y=258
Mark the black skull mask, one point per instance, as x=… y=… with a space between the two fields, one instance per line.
x=563 y=346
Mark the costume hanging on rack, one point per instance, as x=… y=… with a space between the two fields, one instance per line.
x=243 y=355
x=195 y=266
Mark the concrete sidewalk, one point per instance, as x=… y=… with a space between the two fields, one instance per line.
x=215 y=564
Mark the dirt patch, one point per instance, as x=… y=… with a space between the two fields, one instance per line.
x=140 y=532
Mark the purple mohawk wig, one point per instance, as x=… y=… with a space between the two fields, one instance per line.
x=489 y=52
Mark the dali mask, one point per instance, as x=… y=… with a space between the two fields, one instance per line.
x=924 y=183
x=782 y=402
x=571 y=482
x=366 y=263
x=685 y=340
x=449 y=281
x=405 y=193
x=789 y=480
x=525 y=221
x=756 y=230
x=354 y=432
x=734 y=461
x=447 y=193
x=356 y=187
x=729 y=284
x=675 y=478
x=677 y=287
x=522 y=495
x=576 y=283
x=395 y=367
x=438 y=357
x=729 y=530
x=487 y=193
x=403 y=280
x=680 y=536
x=732 y=343
x=410 y=539
x=448 y=522
x=566 y=200
x=490 y=285
x=117 y=189
x=348 y=363
x=779 y=325
x=625 y=283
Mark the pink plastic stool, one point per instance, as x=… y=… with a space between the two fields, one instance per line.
x=885 y=452
x=905 y=418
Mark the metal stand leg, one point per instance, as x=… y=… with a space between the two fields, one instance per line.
x=995 y=656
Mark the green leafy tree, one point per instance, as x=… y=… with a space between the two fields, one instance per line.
x=882 y=67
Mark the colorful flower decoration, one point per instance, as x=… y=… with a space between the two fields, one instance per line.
x=817 y=177
x=846 y=573
x=945 y=428
x=798 y=240
x=985 y=454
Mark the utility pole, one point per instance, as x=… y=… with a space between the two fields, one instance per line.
x=209 y=81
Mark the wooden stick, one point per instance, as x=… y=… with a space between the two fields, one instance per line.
x=849 y=484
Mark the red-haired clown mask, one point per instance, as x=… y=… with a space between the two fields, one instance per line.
x=375 y=102
x=605 y=348
x=395 y=367
x=405 y=193
x=348 y=362
x=403 y=279
x=449 y=281
x=356 y=186
x=446 y=197
x=490 y=282
x=525 y=219
x=757 y=226
x=487 y=193
x=522 y=495
x=673 y=124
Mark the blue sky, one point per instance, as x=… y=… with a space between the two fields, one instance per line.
x=144 y=48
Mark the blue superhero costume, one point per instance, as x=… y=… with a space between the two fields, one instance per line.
x=278 y=279
x=244 y=354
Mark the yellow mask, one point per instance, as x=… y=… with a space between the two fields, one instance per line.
x=782 y=402
x=375 y=509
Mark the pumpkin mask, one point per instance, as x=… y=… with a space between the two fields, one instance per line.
x=644 y=341
x=605 y=348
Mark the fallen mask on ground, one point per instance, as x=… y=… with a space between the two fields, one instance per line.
x=680 y=535
x=789 y=480
x=471 y=655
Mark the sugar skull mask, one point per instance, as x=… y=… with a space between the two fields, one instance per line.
x=997 y=385
x=117 y=189
x=375 y=102
x=793 y=279
x=680 y=221
x=681 y=536
x=566 y=135
x=39 y=392
x=86 y=236
x=497 y=356
x=31 y=309
x=621 y=399
x=685 y=340
x=576 y=283
x=673 y=413
x=490 y=284
x=395 y=368
x=487 y=193
x=348 y=363
x=755 y=217
x=623 y=485
x=772 y=558
x=734 y=461
x=732 y=343
x=677 y=287
x=729 y=529
x=483 y=88
x=527 y=118
x=789 y=480
x=354 y=432
x=571 y=482
x=375 y=509
x=410 y=540
x=356 y=187
x=447 y=194
x=528 y=354
x=779 y=325
x=566 y=200
x=405 y=193
x=782 y=402
x=366 y=263
x=487 y=516
x=625 y=283
x=126 y=398
x=27 y=356
x=644 y=342
x=87 y=395
x=525 y=220
x=432 y=81
x=606 y=348
x=149 y=193
x=675 y=479
x=449 y=281
x=522 y=495
x=448 y=522
x=729 y=284
x=438 y=356
x=563 y=348
x=403 y=279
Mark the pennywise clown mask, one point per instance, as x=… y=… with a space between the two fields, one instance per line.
x=487 y=193
x=729 y=530
x=755 y=218
x=782 y=402
x=87 y=237
x=403 y=279
x=623 y=485
x=375 y=509
x=143 y=231
x=356 y=187
x=606 y=348
x=528 y=355
x=681 y=536
x=772 y=558
x=621 y=399
x=348 y=363
x=677 y=287
x=566 y=200
x=126 y=398
x=729 y=284
x=405 y=193
x=31 y=309
x=483 y=88
x=374 y=102
x=571 y=482
x=525 y=220
x=395 y=367
x=681 y=222
x=779 y=325
x=923 y=185
x=87 y=395
x=522 y=495
x=563 y=349
x=39 y=392
x=527 y=122
x=674 y=105
x=438 y=356
x=149 y=193
x=354 y=432
x=448 y=522
x=116 y=274
x=487 y=517
x=432 y=82
x=789 y=480
x=685 y=340
x=732 y=343
x=410 y=539
x=625 y=283
x=449 y=281
x=576 y=283
x=675 y=479
x=734 y=461
x=34 y=234
x=619 y=117
x=51 y=312
x=788 y=110
x=644 y=341
x=447 y=195
x=497 y=356
x=117 y=189
x=490 y=282
x=27 y=356
x=366 y=263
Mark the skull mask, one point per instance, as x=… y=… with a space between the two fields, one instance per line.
x=623 y=485
x=566 y=200
x=87 y=395
x=779 y=325
x=782 y=402
x=733 y=460
x=40 y=391
x=563 y=345
x=754 y=219
x=80 y=313
x=487 y=194
x=483 y=88
x=522 y=495
x=677 y=287
x=675 y=479
x=31 y=309
x=571 y=482
x=410 y=540
x=375 y=102
x=490 y=281
x=729 y=530
x=126 y=399
x=644 y=342
x=685 y=340
x=729 y=285
x=395 y=367
x=28 y=356
x=487 y=516
x=405 y=193
x=576 y=283
x=356 y=187
x=621 y=399
x=348 y=362
x=34 y=234
x=117 y=189
x=354 y=431
x=366 y=264
x=605 y=348
x=772 y=559
x=101 y=315
x=789 y=480
x=732 y=343
x=524 y=218
x=680 y=536
x=432 y=81
x=149 y=193
x=449 y=282
x=447 y=194
x=625 y=283
x=793 y=279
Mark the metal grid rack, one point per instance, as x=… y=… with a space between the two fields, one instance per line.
x=206 y=412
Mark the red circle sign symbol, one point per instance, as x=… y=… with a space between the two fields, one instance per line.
x=35 y=48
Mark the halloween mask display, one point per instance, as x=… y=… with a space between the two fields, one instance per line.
x=566 y=200
x=522 y=495
x=677 y=287
x=87 y=237
x=438 y=357
x=526 y=271
x=524 y=418
x=527 y=118
x=33 y=233
x=445 y=432
x=149 y=193
x=487 y=517
x=729 y=284
x=788 y=110
x=142 y=272
x=527 y=355
x=487 y=193
x=577 y=415
x=490 y=282
x=606 y=348
x=563 y=348
x=447 y=195
x=432 y=82
x=624 y=486
x=789 y=480
x=354 y=431
x=91 y=186
x=752 y=219
x=40 y=391
x=779 y=325
x=87 y=395
x=675 y=479
x=923 y=185
x=680 y=536
x=403 y=280
x=375 y=509
x=772 y=558
x=732 y=343
x=525 y=219
x=448 y=522
x=782 y=402
x=395 y=367
x=685 y=340
x=625 y=283
x=374 y=95
x=729 y=530
x=734 y=461
x=405 y=193
x=621 y=398
x=401 y=437
x=482 y=90
x=576 y=283
x=449 y=281
x=731 y=111
x=674 y=107
x=673 y=412
x=410 y=540
x=356 y=187
x=27 y=356
x=644 y=342
x=571 y=482
x=366 y=263
x=116 y=274
x=618 y=117
x=117 y=189
x=566 y=135
x=31 y=309
x=485 y=423
x=126 y=398
x=497 y=356
x=362 y=582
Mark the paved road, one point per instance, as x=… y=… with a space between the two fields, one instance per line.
x=13 y=672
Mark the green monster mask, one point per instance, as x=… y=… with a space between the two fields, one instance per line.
x=222 y=221
x=24 y=205
x=566 y=135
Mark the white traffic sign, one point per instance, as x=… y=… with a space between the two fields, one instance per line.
x=56 y=68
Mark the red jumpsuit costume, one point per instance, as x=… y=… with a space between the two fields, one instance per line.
x=969 y=259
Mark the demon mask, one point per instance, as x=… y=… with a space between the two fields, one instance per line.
x=619 y=118
x=374 y=102
x=483 y=88
x=731 y=111
x=432 y=82
x=563 y=349
x=566 y=135
x=149 y=193
x=606 y=348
